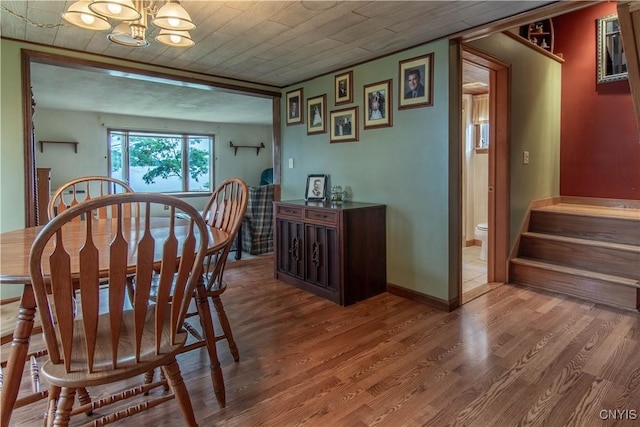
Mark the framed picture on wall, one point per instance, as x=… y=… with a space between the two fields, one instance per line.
x=344 y=125
x=415 y=77
x=294 y=112
x=317 y=115
x=316 y=189
x=344 y=88
x=378 y=111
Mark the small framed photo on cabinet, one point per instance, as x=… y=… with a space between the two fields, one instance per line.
x=316 y=188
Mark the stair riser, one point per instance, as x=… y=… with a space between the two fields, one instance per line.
x=602 y=229
x=588 y=257
x=589 y=288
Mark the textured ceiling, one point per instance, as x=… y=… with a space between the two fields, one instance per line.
x=276 y=43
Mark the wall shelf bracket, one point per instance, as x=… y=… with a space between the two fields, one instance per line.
x=235 y=147
x=75 y=144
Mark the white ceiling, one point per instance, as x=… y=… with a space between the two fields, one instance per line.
x=276 y=43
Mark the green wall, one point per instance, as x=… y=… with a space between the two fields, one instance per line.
x=404 y=167
x=11 y=139
x=534 y=123
x=407 y=167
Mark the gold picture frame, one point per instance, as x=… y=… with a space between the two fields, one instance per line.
x=344 y=125
x=294 y=107
x=378 y=108
x=317 y=115
x=415 y=79
x=343 y=85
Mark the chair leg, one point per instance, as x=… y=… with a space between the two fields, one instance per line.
x=226 y=327
x=65 y=403
x=84 y=398
x=202 y=302
x=52 y=405
x=148 y=379
x=172 y=371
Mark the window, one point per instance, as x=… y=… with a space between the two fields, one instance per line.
x=161 y=162
x=482 y=135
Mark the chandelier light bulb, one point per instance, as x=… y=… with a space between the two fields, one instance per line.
x=79 y=15
x=87 y=19
x=173 y=17
x=175 y=38
x=115 y=9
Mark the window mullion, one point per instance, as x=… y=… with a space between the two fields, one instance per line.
x=185 y=163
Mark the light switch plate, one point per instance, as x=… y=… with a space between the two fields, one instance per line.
x=290 y=163
x=525 y=157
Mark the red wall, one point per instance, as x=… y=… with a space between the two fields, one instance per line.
x=599 y=149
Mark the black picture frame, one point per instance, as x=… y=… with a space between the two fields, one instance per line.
x=316 y=189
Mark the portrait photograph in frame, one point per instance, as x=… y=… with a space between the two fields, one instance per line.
x=295 y=115
x=415 y=80
x=344 y=88
x=344 y=125
x=317 y=115
x=378 y=111
x=316 y=189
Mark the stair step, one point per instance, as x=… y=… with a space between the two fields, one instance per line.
x=599 y=287
x=624 y=281
x=595 y=256
x=592 y=223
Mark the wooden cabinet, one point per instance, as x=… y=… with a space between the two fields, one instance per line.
x=540 y=33
x=43 y=188
x=336 y=251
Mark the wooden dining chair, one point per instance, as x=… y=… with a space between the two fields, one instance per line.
x=99 y=347
x=224 y=211
x=86 y=188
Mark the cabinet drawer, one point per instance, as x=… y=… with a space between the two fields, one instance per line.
x=289 y=211
x=329 y=217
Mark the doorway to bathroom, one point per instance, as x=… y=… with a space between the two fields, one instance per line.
x=484 y=174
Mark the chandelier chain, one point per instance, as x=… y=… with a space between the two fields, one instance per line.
x=28 y=21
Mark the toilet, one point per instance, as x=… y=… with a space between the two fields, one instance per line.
x=481 y=234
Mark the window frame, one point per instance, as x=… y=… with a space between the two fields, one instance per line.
x=185 y=138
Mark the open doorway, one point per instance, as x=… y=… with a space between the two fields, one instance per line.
x=475 y=173
x=485 y=187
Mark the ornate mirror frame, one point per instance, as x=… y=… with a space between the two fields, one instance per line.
x=611 y=61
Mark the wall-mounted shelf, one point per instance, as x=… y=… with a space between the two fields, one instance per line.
x=539 y=33
x=75 y=144
x=235 y=147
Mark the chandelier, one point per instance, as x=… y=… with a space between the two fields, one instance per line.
x=173 y=21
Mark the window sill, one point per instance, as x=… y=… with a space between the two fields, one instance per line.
x=482 y=151
x=184 y=195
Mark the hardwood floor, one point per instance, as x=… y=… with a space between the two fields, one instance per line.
x=512 y=357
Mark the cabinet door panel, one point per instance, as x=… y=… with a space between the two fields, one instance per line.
x=290 y=243
x=321 y=256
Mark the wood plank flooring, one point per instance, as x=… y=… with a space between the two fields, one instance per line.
x=512 y=357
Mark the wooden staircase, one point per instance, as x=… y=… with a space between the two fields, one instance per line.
x=588 y=251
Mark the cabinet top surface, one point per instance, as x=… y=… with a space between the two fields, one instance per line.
x=329 y=205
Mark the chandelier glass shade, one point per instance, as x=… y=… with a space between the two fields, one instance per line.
x=172 y=20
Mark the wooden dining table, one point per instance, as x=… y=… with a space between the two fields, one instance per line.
x=15 y=247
